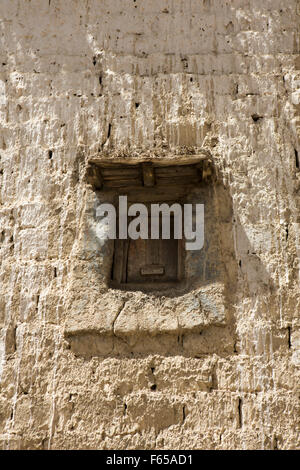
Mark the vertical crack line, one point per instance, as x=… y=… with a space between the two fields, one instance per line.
x=117 y=315
x=214 y=380
x=37 y=303
x=22 y=330
x=183 y=414
x=240 y=413
x=14 y=339
x=289 y=337
x=108 y=131
x=107 y=135
x=53 y=412
x=297 y=159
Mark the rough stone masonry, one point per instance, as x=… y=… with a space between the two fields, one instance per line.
x=88 y=365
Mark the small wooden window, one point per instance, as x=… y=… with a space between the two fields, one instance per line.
x=148 y=262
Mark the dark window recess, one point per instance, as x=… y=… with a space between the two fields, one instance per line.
x=148 y=263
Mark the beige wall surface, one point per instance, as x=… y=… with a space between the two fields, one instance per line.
x=86 y=366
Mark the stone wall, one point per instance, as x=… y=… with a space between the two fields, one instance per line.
x=94 y=79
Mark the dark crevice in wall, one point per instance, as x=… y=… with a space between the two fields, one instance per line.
x=14 y=340
x=256 y=117
x=240 y=413
x=185 y=63
x=214 y=380
x=12 y=247
x=183 y=414
x=152 y=378
x=23 y=391
x=297 y=159
x=107 y=135
x=108 y=131
x=289 y=337
x=153 y=386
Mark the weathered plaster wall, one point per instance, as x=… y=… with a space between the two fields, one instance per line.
x=82 y=79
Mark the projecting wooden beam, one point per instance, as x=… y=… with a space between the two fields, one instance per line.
x=93 y=177
x=148 y=174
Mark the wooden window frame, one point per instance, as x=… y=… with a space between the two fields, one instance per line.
x=160 y=181
x=120 y=268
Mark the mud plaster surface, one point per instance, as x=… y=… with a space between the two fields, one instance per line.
x=85 y=366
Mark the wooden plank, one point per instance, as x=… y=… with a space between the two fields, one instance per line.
x=125 y=260
x=177 y=180
x=131 y=172
x=122 y=178
x=180 y=260
x=122 y=183
x=160 y=195
x=118 y=261
x=176 y=171
x=152 y=270
x=136 y=259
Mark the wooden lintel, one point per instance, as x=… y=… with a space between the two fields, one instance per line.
x=169 y=159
